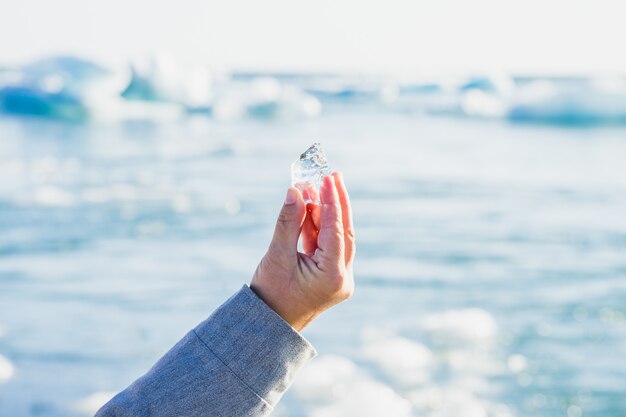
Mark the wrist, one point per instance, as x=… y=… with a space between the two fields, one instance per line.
x=296 y=314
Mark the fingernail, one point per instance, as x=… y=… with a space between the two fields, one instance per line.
x=291 y=197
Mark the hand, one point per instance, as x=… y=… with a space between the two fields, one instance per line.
x=300 y=286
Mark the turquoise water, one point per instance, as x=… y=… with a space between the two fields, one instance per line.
x=491 y=266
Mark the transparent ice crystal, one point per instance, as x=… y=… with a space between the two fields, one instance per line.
x=308 y=172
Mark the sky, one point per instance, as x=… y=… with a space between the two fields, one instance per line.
x=425 y=37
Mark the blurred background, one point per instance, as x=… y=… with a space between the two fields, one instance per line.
x=145 y=149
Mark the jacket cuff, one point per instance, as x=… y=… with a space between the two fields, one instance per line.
x=256 y=344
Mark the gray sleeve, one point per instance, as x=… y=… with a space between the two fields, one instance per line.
x=236 y=363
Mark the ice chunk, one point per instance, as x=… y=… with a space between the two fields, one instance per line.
x=308 y=171
x=6 y=369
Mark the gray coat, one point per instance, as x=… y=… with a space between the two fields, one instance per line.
x=237 y=363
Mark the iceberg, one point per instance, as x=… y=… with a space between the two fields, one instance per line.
x=65 y=88
x=159 y=79
x=581 y=104
x=264 y=98
x=77 y=90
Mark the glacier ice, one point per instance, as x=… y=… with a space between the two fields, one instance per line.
x=308 y=172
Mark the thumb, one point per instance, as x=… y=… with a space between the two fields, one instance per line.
x=288 y=226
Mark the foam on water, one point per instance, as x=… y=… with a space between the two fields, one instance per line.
x=404 y=361
x=450 y=378
x=404 y=377
x=6 y=369
x=89 y=405
x=469 y=326
x=333 y=386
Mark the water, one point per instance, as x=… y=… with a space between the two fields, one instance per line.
x=491 y=267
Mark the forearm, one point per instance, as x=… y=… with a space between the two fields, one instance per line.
x=238 y=362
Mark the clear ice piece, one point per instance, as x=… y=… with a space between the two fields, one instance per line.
x=308 y=172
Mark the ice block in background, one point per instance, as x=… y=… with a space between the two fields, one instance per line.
x=308 y=171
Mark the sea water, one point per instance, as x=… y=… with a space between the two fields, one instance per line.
x=490 y=272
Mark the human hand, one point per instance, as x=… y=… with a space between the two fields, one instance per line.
x=300 y=286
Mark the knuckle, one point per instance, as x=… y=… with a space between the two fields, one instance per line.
x=333 y=208
x=337 y=233
x=338 y=285
x=283 y=219
x=343 y=286
x=348 y=292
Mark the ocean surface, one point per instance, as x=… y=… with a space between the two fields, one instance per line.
x=491 y=264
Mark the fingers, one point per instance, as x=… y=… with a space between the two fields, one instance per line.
x=330 y=241
x=288 y=226
x=310 y=230
x=346 y=218
x=313 y=211
x=310 y=194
